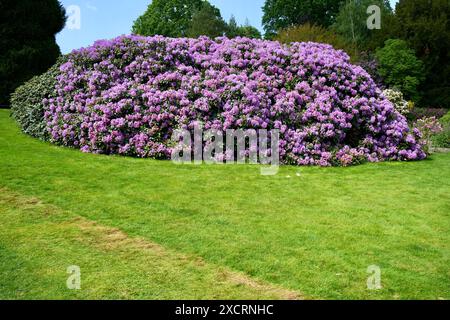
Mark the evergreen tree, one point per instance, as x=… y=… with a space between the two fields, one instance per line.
x=207 y=21
x=249 y=31
x=234 y=30
x=27 y=41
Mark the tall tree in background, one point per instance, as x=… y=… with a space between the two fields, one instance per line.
x=207 y=21
x=351 y=23
x=169 y=18
x=234 y=30
x=282 y=14
x=425 y=25
x=249 y=31
x=27 y=40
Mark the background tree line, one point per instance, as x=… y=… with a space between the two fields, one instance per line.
x=410 y=52
x=189 y=18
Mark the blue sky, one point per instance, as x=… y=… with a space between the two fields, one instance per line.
x=105 y=19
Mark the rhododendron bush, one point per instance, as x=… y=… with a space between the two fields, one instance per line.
x=127 y=95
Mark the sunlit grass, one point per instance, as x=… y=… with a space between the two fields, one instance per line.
x=311 y=230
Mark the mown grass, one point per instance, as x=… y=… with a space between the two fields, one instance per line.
x=309 y=230
x=39 y=242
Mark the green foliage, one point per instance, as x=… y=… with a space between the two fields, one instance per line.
x=351 y=23
x=27 y=42
x=207 y=21
x=27 y=103
x=246 y=30
x=314 y=33
x=232 y=28
x=400 y=68
x=169 y=18
x=189 y=18
x=249 y=32
x=442 y=140
x=445 y=119
x=282 y=14
x=425 y=25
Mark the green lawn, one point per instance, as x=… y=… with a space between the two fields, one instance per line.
x=152 y=229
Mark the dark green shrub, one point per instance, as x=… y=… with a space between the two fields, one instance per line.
x=438 y=97
x=27 y=107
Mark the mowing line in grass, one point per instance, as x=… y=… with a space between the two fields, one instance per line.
x=38 y=242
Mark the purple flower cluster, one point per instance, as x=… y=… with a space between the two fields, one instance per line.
x=127 y=95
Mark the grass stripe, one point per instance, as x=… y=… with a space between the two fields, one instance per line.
x=38 y=242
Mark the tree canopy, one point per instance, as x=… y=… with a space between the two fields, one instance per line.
x=281 y=14
x=400 y=68
x=246 y=30
x=189 y=18
x=351 y=23
x=425 y=25
x=169 y=18
x=207 y=21
x=27 y=43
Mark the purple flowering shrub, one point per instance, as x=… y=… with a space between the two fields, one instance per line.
x=127 y=95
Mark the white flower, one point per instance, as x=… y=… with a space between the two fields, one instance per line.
x=396 y=98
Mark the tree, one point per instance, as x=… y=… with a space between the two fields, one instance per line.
x=249 y=31
x=425 y=25
x=27 y=43
x=169 y=18
x=234 y=30
x=400 y=68
x=281 y=14
x=207 y=21
x=351 y=23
